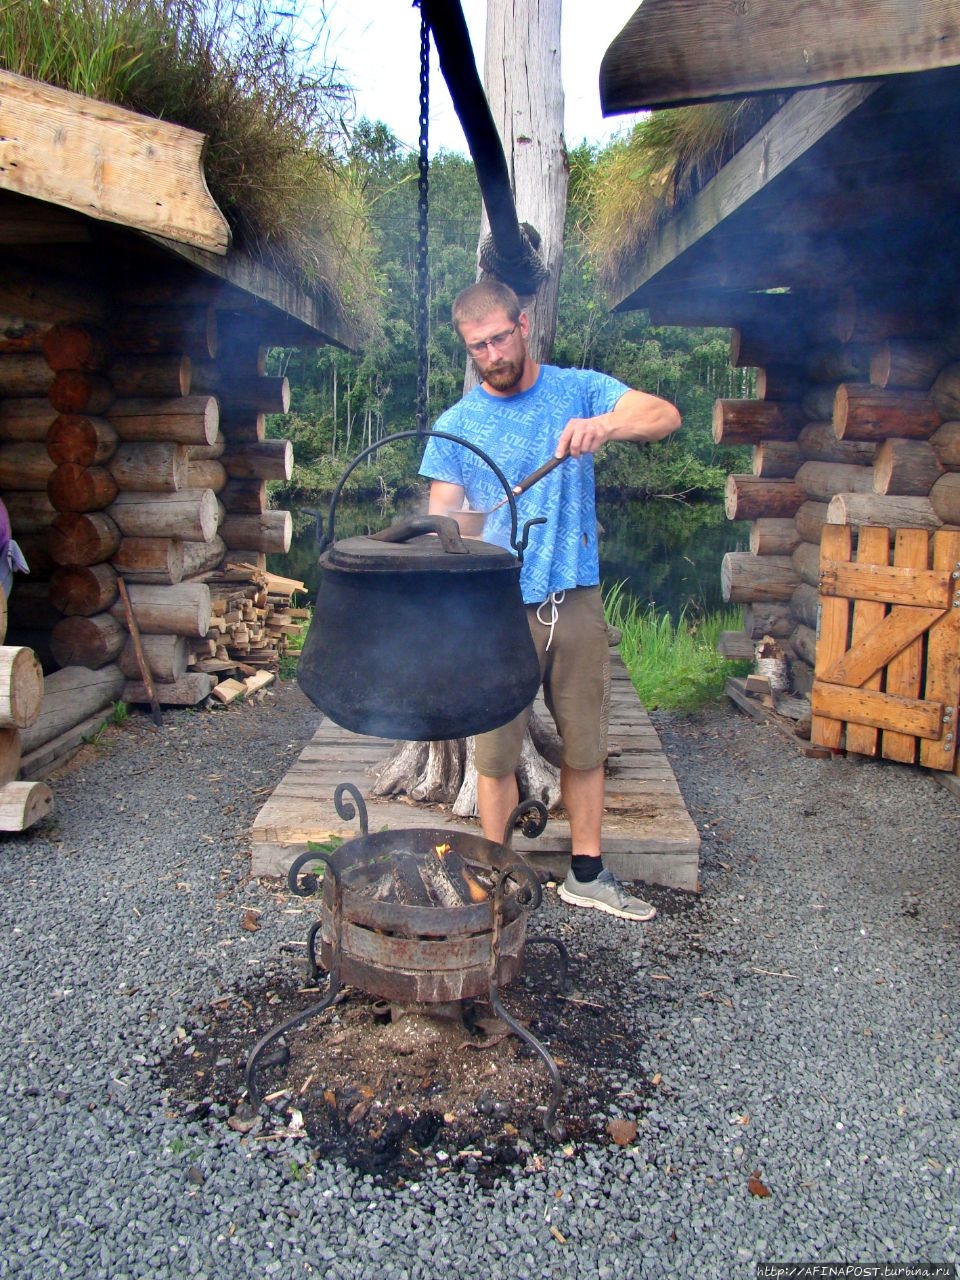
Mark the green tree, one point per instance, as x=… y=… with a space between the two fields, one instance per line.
x=342 y=402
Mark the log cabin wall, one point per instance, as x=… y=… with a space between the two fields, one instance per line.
x=132 y=443
x=824 y=237
x=862 y=429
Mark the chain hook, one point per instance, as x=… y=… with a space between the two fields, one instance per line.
x=423 y=206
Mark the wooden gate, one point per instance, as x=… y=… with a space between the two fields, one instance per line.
x=887 y=675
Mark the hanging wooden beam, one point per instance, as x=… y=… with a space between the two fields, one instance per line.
x=107 y=162
x=679 y=51
x=797 y=126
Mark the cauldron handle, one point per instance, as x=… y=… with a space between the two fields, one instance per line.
x=326 y=538
x=445 y=527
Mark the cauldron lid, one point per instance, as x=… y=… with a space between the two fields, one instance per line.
x=405 y=547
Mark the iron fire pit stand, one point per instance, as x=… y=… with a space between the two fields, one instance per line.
x=421 y=954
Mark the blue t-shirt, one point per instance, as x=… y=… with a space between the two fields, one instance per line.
x=520 y=432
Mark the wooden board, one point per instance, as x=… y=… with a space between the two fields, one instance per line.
x=890 y=683
x=647 y=832
x=679 y=51
x=784 y=139
x=106 y=162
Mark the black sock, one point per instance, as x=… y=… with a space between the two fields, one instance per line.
x=585 y=868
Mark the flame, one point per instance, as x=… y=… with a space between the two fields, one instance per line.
x=477 y=892
x=441 y=849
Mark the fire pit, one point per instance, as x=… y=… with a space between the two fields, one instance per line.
x=407 y=917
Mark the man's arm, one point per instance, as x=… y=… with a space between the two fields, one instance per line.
x=444 y=497
x=637 y=416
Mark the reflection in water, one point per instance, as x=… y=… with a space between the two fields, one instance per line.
x=668 y=554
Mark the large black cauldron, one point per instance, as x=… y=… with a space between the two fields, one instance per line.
x=418 y=633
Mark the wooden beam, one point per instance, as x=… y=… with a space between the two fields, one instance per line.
x=297 y=318
x=727 y=308
x=673 y=52
x=106 y=162
x=788 y=135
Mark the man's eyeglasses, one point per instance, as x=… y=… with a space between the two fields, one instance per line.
x=498 y=339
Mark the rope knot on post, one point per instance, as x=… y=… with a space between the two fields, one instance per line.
x=524 y=271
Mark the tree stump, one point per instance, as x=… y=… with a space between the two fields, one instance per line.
x=445 y=772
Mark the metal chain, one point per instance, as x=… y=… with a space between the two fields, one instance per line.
x=423 y=193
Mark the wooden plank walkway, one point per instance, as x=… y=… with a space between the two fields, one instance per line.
x=647 y=834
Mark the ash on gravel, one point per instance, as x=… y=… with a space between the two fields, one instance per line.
x=399 y=1095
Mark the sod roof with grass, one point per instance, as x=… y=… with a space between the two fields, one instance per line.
x=233 y=157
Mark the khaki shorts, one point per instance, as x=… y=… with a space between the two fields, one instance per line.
x=575 y=673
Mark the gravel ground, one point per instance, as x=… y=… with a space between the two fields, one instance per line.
x=797 y=1022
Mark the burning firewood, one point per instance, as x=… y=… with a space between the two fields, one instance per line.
x=438 y=878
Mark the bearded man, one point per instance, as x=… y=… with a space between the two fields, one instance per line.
x=521 y=413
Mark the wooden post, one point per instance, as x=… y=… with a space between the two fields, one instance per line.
x=75 y=488
x=905 y=467
x=945 y=497
x=748 y=498
x=81 y=438
x=83 y=537
x=142 y=664
x=746 y=577
x=834 y=620
x=750 y=421
x=83 y=589
x=877 y=509
x=872 y=548
x=865 y=412
x=21 y=687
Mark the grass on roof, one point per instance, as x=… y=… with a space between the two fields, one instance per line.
x=666 y=158
x=271 y=108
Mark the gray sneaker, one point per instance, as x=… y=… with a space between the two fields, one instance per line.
x=606 y=893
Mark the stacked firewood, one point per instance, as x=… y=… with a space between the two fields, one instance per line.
x=858 y=423
x=254 y=620
x=132 y=446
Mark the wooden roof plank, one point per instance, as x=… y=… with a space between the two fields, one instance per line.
x=299 y=314
x=674 y=52
x=803 y=120
x=107 y=162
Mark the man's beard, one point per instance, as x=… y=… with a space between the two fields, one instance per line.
x=504 y=376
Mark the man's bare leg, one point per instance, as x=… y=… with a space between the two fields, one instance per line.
x=496 y=800
x=582 y=792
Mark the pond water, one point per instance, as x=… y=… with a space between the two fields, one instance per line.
x=667 y=554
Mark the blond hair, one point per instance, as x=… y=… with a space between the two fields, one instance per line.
x=477 y=301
